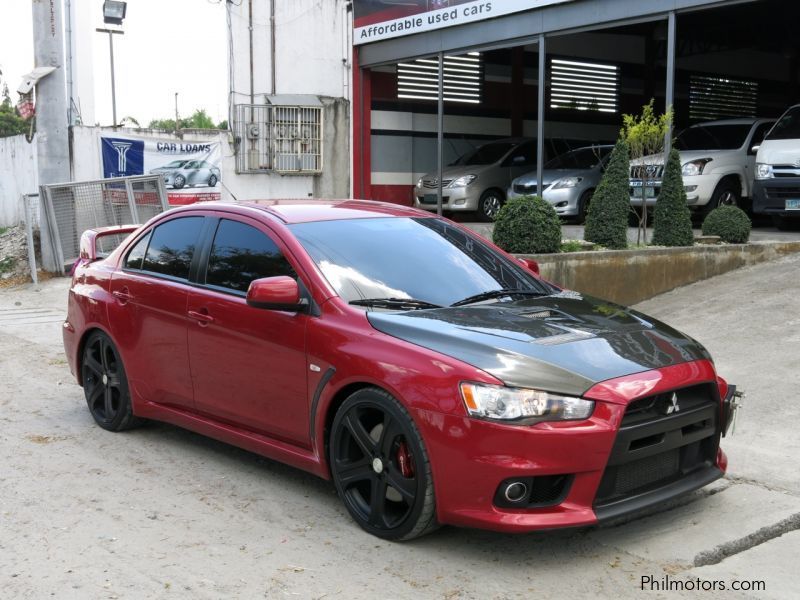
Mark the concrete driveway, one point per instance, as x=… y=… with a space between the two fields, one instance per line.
x=163 y=513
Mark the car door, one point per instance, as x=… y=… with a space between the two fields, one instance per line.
x=248 y=364
x=148 y=315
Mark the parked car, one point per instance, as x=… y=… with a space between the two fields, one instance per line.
x=478 y=180
x=569 y=180
x=183 y=172
x=777 y=183
x=434 y=378
x=718 y=164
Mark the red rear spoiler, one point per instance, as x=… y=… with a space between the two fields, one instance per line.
x=89 y=239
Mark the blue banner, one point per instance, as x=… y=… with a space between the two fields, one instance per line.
x=122 y=157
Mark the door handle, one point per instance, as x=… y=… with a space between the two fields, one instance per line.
x=202 y=317
x=124 y=296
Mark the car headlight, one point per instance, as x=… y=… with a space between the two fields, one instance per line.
x=695 y=167
x=463 y=181
x=520 y=405
x=567 y=182
x=419 y=182
x=764 y=171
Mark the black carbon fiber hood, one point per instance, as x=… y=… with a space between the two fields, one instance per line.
x=563 y=343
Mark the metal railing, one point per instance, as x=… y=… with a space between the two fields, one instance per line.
x=281 y=138
x=69 y=209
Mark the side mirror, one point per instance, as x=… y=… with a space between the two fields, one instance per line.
x=754 y=149
x=276 y=293
x=518 y=160
x=529 y=264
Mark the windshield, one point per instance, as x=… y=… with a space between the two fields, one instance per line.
x=175 y=164
x=423 y=258
x=713 y=137
x=788 y=127
x=487 y=154
x=583 y=158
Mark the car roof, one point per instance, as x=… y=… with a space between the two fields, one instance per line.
x=748 y=121
x=306 y=210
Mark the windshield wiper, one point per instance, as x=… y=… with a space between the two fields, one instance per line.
x=498 y=294
x=398 y=303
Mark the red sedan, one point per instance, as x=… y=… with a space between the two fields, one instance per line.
x=434 y=378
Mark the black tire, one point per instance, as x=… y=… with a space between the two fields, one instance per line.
x=380 y=467
x=178 y=181
x=726 y=193
x=212 y=181
x=583 y=206
x=105 y=384
x=490 y=204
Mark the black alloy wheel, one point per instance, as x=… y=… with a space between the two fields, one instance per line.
x=105 y=384
x=380 y=467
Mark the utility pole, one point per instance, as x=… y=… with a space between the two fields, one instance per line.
x=111 y=33
x=52 y=132
x=176 y=112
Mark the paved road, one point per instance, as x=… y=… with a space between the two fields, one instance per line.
x=163 y=513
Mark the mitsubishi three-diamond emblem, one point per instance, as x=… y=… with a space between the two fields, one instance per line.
x=672 y=406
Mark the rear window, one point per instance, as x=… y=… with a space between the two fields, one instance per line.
x=172 y=247
x=787 y=127
x=487 y=154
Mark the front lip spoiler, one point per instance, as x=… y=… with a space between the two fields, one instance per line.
x=639 y=502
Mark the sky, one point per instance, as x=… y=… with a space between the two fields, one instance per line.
x=168 y=46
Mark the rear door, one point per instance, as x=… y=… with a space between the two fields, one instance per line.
x=248 y=364
x=521 y=160
x=148 y=317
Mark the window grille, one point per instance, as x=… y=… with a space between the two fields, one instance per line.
x=285 y=139
x=721 y=97
x=581 y=85
x=462 y=79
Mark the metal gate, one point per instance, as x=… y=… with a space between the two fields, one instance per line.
x=69 y=209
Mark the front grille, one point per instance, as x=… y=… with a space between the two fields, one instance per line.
x=659 y=444
x=647 y=171
x=525 y=188
x=432 y=184
x=782 y=193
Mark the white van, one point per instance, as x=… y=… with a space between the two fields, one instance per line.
x=776 y=191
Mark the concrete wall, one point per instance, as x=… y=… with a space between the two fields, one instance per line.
x=18 y=175
x=630 y=276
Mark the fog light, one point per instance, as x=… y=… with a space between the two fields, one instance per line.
x=515 y=491
x=690 y=188
x=460 y=202
x=562 y=204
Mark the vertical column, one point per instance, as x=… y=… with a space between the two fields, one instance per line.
x=669 y=100
x=440 y=136
x=540 y=113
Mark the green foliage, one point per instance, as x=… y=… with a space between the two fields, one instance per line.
x=198 y=120
x=573 y=246
x=672 y=221
x=10 y=122
x=645 y=133
x=7 y=264
x=607 y=220
x=527 y=225
x=223 y=124
x=730 y=223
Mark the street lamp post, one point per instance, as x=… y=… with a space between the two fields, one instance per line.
x=111 y=33
x=114 y=12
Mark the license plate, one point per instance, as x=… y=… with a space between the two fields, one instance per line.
x=429 y=199
x=793 y=204
x=649 y=192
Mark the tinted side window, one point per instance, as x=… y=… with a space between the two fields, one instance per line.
x=135 y=256
x=242 y=253
x=526 y=151
x=172 y=247
x=760 y=132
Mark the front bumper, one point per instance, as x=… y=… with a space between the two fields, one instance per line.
x=699 y=190
x=564 y=200
x=457 y=199
x=600 y=458
x=770 y=196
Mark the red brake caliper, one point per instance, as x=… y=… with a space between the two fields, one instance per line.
x=404 y=460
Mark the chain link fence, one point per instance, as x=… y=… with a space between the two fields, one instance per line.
x=69 y=209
